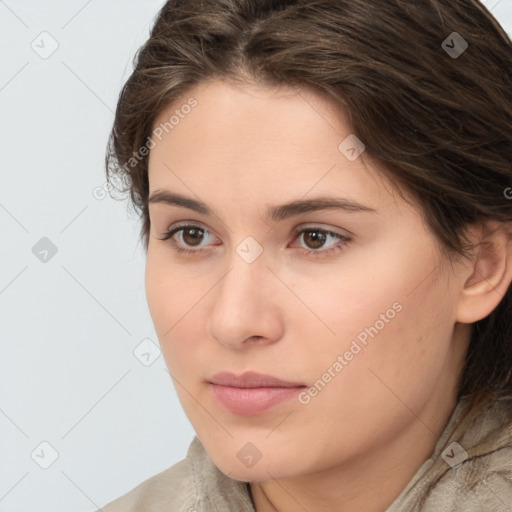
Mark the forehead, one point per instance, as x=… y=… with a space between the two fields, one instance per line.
x=258 y=142
x=244 y=121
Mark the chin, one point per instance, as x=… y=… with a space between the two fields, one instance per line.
x=264 y=469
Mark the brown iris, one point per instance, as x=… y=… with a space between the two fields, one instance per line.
x=316 y=238
x=192 y=236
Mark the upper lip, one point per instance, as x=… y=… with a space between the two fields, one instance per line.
x=252 y=380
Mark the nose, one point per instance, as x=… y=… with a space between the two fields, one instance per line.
x=245 y=305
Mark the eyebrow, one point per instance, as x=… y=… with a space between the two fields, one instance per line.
x=275 y=213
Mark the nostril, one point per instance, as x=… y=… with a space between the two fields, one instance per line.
x=254 y=338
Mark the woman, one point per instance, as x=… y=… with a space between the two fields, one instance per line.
x=325 y=189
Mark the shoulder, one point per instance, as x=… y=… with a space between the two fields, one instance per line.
x=471 y=467
x=171 y=487
x=194 y=484
x=480 y=476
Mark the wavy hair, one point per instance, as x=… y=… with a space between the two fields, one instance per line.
x=438 y=119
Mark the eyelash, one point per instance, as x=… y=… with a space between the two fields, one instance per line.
x=296 y=233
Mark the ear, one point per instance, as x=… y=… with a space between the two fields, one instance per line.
x=488 y=276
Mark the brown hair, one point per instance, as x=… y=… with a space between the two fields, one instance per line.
x=439 y=123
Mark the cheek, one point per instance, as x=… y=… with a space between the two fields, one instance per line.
x=398 y=363
x=173 y=298
x=392 y=326
x=171 y=290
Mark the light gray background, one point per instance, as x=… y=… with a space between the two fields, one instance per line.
x=79 y=364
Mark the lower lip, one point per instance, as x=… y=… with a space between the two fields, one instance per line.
x=251 y=401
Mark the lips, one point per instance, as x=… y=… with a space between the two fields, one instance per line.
x=252 y=380
x=252 y=393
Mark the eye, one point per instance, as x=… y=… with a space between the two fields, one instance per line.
x=315 y=239
x=188 y=236
x=184 y=238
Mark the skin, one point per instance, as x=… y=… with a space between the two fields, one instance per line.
x=358 y=442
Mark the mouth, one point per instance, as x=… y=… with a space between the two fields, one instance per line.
x=252 y=393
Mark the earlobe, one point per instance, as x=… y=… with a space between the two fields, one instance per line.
x=490 y=273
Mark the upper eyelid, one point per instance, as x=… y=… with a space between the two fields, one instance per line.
x=295 y=231
x=311 y=225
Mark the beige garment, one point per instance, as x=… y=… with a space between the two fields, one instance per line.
x=474 y=475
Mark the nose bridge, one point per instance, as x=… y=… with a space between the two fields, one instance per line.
x=244 y=276
x=241 y=307
x=247 y=262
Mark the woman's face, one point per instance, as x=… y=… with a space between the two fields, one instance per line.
x=353 y=306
